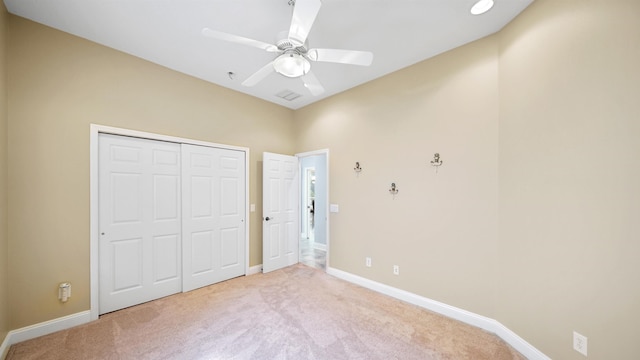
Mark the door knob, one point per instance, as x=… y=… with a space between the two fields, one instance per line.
x=268 y=218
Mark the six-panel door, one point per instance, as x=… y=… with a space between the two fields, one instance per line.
x=140 y=221
x=280 y=230
x=213 y=190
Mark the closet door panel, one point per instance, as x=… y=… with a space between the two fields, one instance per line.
x=140 y=221
x=213 y=220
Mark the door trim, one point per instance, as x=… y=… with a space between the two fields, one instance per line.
x=94 y=131
x=324 y=152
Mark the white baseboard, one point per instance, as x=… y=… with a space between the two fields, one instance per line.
x=4 y=348
x=43 y=328
x=453 y=312
x=255 y=270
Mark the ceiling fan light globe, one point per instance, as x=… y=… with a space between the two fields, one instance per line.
x=291 y=65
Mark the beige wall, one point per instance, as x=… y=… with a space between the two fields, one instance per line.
x=59 y=84
x=4 y=310
x=570 y=177
x=441 y=229
x=558 y=91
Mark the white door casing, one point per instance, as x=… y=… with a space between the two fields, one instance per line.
x=139 y=221
x=280 y=211
x=213 y=193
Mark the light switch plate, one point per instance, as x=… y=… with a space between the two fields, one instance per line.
x=334 y=208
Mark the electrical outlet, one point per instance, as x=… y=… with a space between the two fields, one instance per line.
x=396 y=270
x=368 y=262
x=580 y=343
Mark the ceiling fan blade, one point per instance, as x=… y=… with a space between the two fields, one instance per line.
x=353 y=57
x=259 y=75
x=312 y=83
x=304 y=14
x=239 y=40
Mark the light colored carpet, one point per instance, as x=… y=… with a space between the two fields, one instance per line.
x=295 y=313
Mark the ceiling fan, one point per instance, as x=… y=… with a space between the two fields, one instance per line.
x=294 y=56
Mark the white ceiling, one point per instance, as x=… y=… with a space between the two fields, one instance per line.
x=168 y=32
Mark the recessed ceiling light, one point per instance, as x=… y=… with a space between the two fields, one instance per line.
x=481 y=7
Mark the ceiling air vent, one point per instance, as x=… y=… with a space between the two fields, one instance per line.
x=288 y=95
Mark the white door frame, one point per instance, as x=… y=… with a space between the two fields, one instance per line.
x=94 y=131
x=324 y=152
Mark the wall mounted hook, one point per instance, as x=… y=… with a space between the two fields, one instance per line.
x=436 y=161
x=393 y=190
x=357 y=169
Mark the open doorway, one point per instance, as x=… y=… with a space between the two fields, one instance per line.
x=309 y=193
x=313 y=209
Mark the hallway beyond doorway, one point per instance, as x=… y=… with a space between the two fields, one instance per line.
x=311 y=256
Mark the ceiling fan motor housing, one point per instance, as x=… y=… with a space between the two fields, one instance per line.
x=284 y=44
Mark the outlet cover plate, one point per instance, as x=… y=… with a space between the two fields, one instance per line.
x=580 y=343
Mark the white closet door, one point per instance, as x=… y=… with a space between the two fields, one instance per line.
x=140 y=221
x=280 y=201
x=213 y=203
